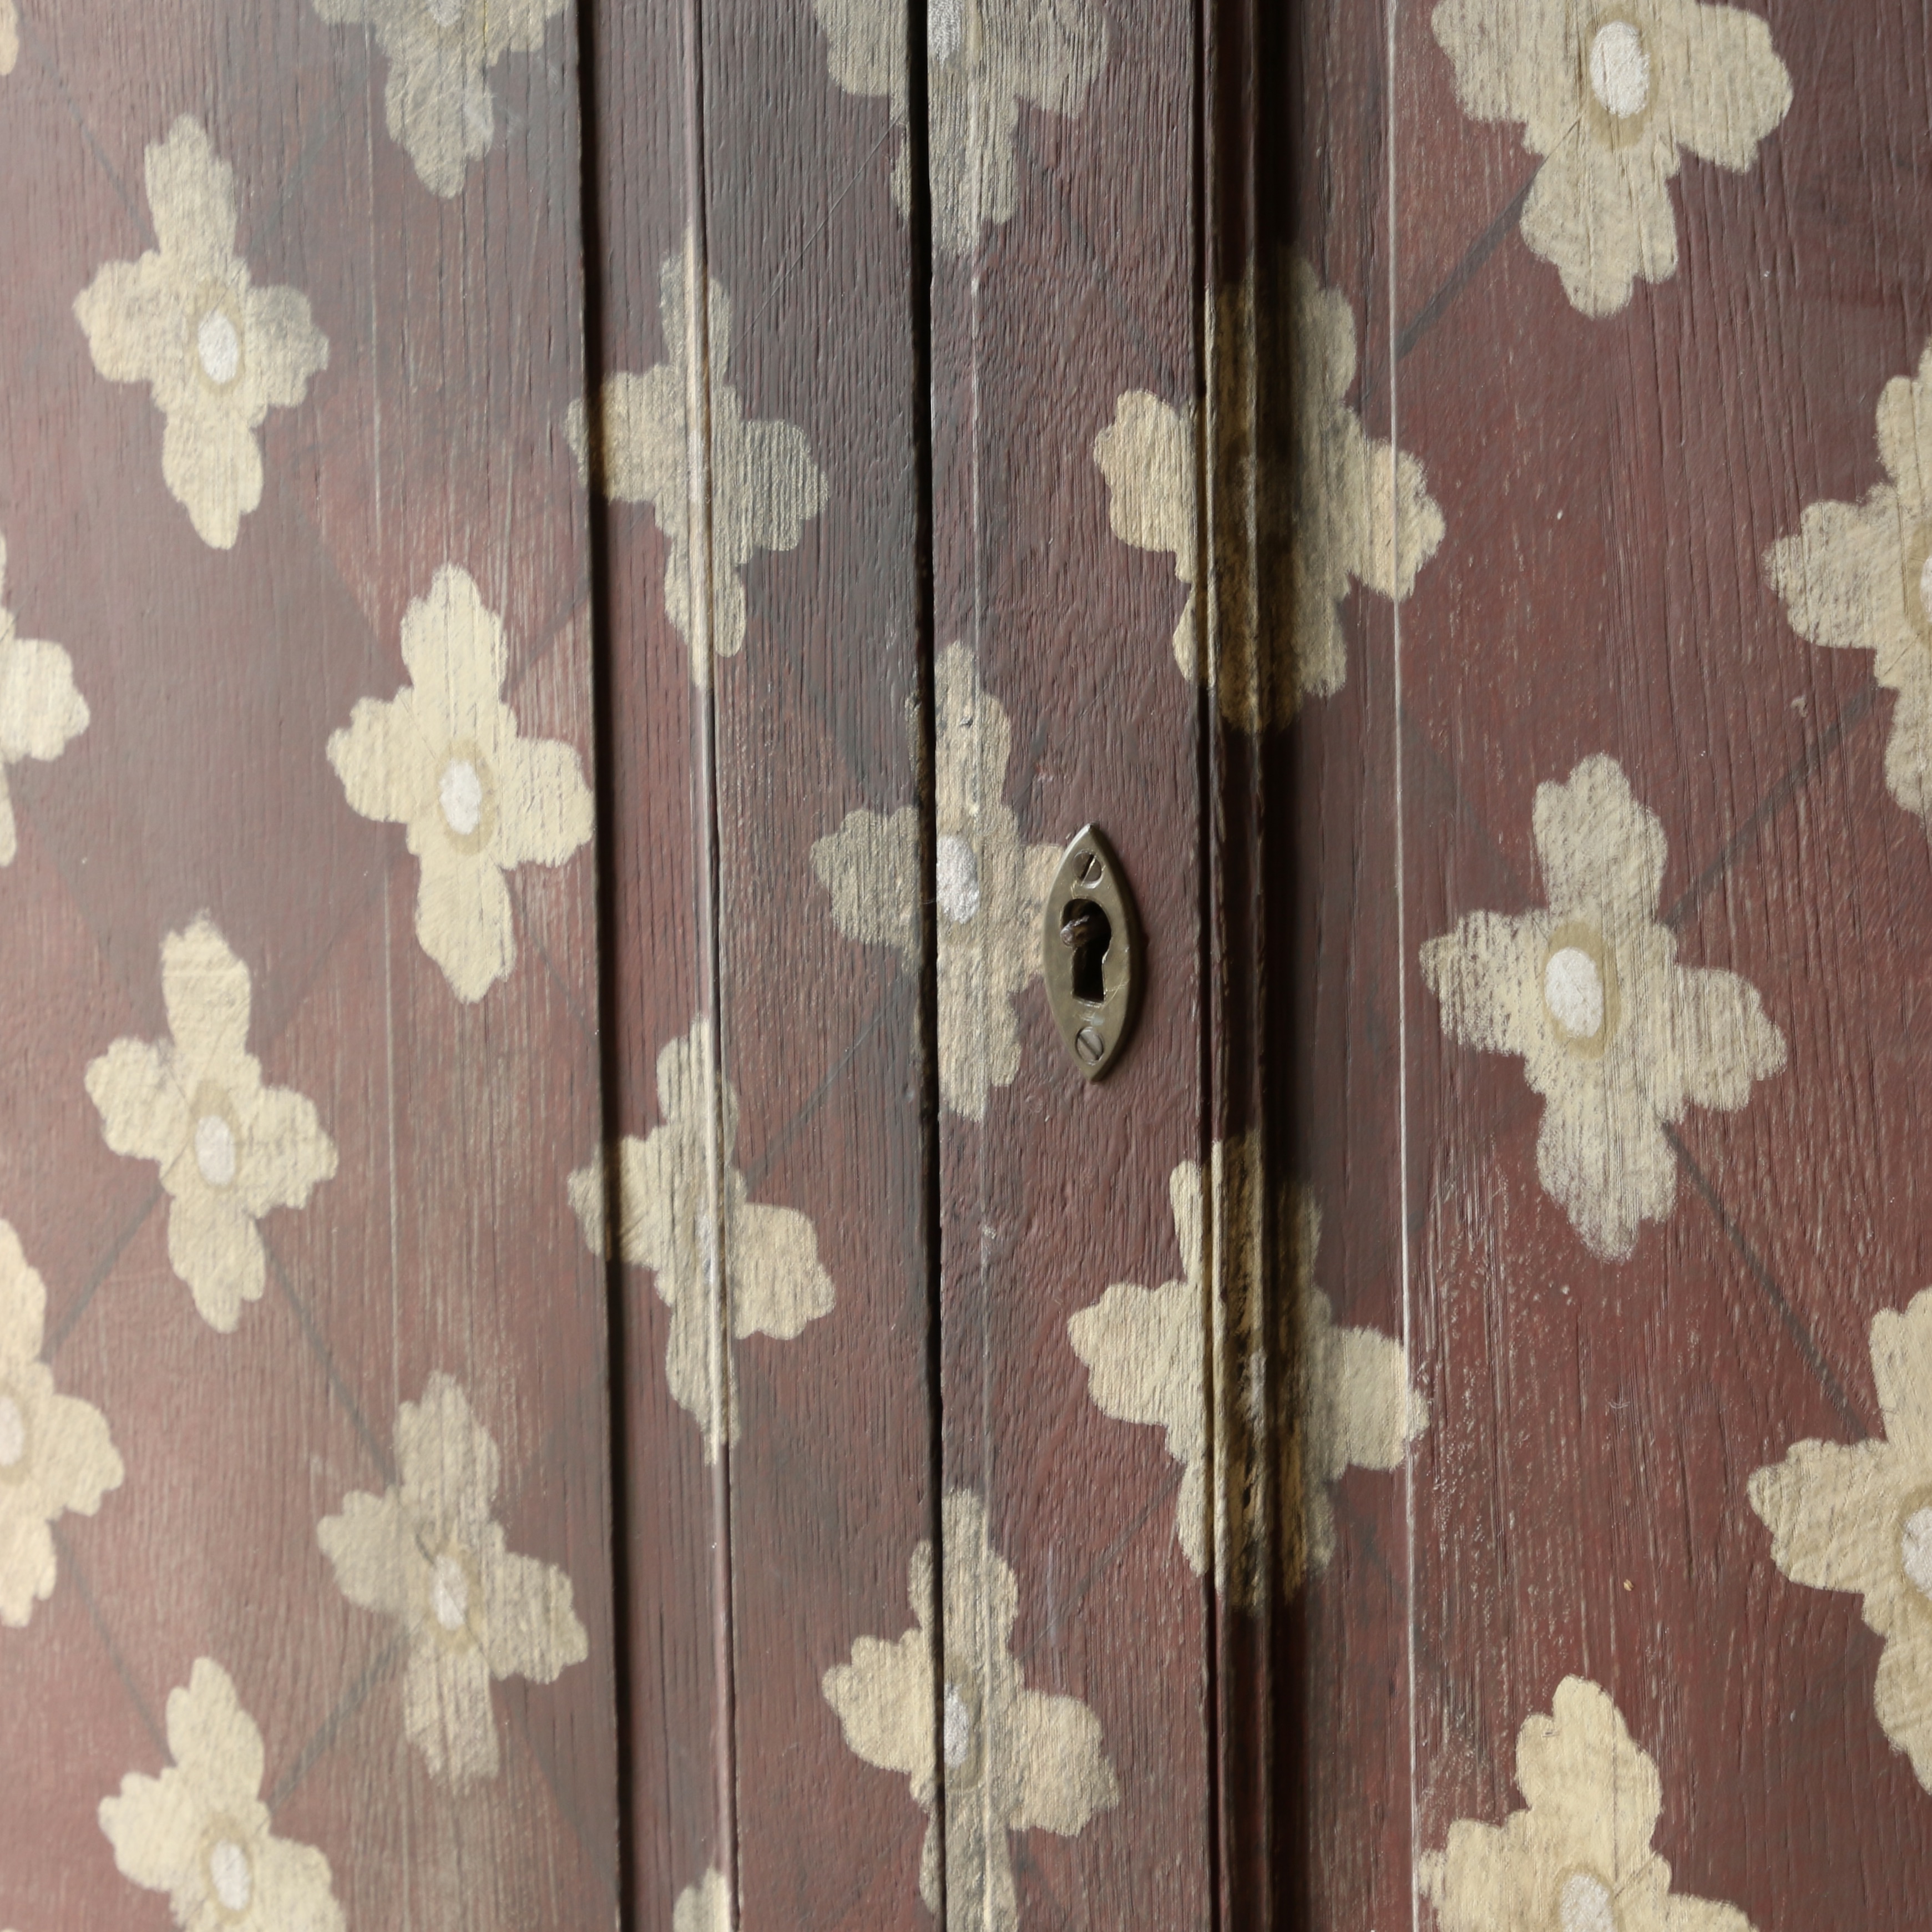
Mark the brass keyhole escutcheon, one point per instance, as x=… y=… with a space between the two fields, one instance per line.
x=1091 y=954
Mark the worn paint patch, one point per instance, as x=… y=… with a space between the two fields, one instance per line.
x=1299 y=1400
x=669 y=1219
x=705 y=1906
x=1016 y=1759
x=1613 y=95
x=427 y=1553
x=676 y=438
x=443 y=758
x=984 y=58
x=200 y=1832
x=228 y=1148
x=1147 y=454
x=217 y=352
x=55 y=1454
x=1857 y=1516
x=1858 y=577
x=41 y=712
x=1616 y=1036
x=436 y=98
x=1578 y=1858
x=991 y=888
x=9 y=37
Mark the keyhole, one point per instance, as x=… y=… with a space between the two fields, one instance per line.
x=1085 y=930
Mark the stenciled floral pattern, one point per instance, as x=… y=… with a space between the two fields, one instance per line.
x=9 y=37
x=1617 y=1037
x=1016 y=1759
x=1578 y=1858
x=428 y=1553
x=55 y=1454
x=41 y=713
x=670 y=1213
x=1611 y=91
x=228 y=1148
x=705 y=1906
x=443 y=758
x=1857 y=1516
x=437 y=98
x=200 y=1832
x=992 y=889
x=218 y=352
x=755 y=488
x=984 y=58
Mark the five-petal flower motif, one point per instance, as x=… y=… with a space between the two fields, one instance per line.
x=229 y=1149
x=55 y=1454
x=669 y=1216
x=427 y=1553
x=983 y=57
x=1618 y=1038
x=991 y=888
x=1578 y=1858
x=1858 y=577
x=1611 y=91
x=1857 y=1516
x=676 y=438
x=443 y=758
x=200 y=1832
x=1016 y=1759
x=40 y=712
x=218 y=352
x=437 y=97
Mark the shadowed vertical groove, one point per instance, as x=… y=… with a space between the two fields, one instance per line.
x=919 y=257
x=604 y=751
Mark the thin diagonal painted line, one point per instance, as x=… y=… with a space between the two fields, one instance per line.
x=599 y=1856
x=324 y=1735
x=323 y=1353
x=103 y=1269
x=37 y=48
x=77 y=1577
x=1463 y=273
x=792 y=268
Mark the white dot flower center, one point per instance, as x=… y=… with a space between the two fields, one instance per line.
x=13 y=1434
x=218 y=344
x=1584 y=1905
x=1915 y=1549
x=958 y=1740
x=449 y=1593
x=1573 y=989
x=958 y=868
x=1620 y=69
x=215 y=1149
x=460 y=792
x=230 y=1874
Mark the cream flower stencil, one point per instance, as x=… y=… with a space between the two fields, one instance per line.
x=705 y=1906
x=1858 y=577
x=1857 y=1516
x=437 y=99
x=41 y=713
x=759 y=488
x=1616 y=1036
x=427 y=1553
x=9 y=37
x=443 y=758
x=228 y=1148
x=218 y=352
x=1611 y=91
x=1578 y=1858
x=1347 y=1402
x=668 y=1223
x=56 y=1454
x=983 y=59
x=991 y=888
x=1016 y=1759
x=200 y=1832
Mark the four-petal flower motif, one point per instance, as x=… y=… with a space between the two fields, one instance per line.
x=1578 y=1858
x=1618 y=1038
x=669 y=1221
x=1611 y=91
x=229 y=1149
x=218 y=352
x=676 y=438
x=1857 y=1516
x=40 y=712
x=1016 y=1759
x=428 y=1553
x=437 y=97
x=443 y=758
x=200 y=1832
x=992 y=889
x=55 y=1454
